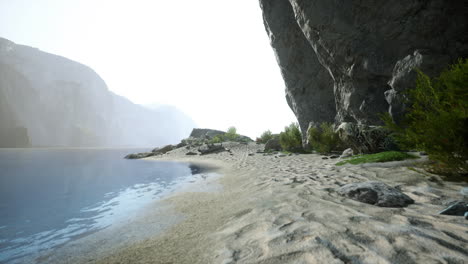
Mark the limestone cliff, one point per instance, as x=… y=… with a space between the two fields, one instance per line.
x=348 y=61
x=48 y=100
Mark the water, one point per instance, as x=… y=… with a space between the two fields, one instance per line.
x=50 y=196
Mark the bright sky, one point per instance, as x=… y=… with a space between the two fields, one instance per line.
x=210 y=58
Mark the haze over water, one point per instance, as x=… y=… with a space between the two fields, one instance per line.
x=49 y=196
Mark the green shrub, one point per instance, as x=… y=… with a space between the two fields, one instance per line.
x=217 y=139
x=291 y=139
x=323 y=139
x=264 y=137
x=437 y=119
x=231 y=134
x=378 y=157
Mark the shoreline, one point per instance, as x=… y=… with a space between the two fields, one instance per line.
x=283 y=209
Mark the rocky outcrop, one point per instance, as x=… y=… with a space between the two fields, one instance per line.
x=376 y=193
x=349 y=61
x=48 y=100
x=204 y=133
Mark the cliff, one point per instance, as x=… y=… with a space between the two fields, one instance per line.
x=48 y=100
x=349 y=61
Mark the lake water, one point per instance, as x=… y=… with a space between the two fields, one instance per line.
x=50 y=196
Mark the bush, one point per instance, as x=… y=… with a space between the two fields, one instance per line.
x=231 y=134
x=437 y=119
x=217 y=139
x=323 y=139
x=264 y=137
x=291 y=138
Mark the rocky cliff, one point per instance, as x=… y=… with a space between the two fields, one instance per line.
x=48 y=100
x=348 y=61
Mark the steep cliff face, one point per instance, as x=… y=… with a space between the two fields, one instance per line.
x=59 y=102
x=348 y=61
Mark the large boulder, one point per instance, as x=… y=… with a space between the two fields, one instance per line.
x=349 y=61
x=363 y=138
x=273 y=145
x=203 y=133
x=376 y=193
x=211 y=148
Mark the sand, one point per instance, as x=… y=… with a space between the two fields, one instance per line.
x=283 y=209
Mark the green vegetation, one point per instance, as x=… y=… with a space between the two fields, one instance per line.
x=231 y=134
x=264 y=137
x=437 y=119
x=291 y=139
x=323 y=139
x=217 y=139
x=378 y=157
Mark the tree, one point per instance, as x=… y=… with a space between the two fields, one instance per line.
x=437 y=118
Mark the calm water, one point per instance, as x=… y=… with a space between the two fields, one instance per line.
x=49 y=196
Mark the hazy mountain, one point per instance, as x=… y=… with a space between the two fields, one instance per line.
x=48 y=100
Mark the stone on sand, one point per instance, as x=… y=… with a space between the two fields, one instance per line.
x=376 y=193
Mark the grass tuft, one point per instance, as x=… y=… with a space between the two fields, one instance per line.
x=378 y=157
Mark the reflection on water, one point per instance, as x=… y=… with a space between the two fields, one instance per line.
x=48 y=196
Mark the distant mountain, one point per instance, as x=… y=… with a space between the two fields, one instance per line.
x=48 y=100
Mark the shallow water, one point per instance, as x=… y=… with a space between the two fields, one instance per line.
x=50 y=196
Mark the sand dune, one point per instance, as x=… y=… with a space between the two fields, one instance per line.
x=284 y=210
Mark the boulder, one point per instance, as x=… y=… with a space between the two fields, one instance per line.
x=456 y=208
x=139 y=155
x=204 y=133
x=375 y=193
x=191 y=153
x=163 y=150
x=273 y=145
x=347 y=153
x=363 y=138
x=211 y=148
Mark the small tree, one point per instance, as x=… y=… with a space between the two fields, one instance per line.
x=291 y=138
x=231 y=133
x=437 y=119
x=324 y=139
x=264 y=137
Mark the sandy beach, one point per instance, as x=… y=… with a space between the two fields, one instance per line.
x=284 y=209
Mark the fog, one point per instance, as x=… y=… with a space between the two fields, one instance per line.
x=211 y=59
x=50 y=101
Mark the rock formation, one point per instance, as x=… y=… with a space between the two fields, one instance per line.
x=348 y=61
x=48 y=100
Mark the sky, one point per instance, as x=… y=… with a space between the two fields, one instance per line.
x=210 y=58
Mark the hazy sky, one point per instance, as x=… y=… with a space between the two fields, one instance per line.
x=210 y=58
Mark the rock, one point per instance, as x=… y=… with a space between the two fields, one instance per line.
x=464 y=191
x=457 y=208
x=363 y=138
x=466 y=215
x=139 y=155
x=163 y=150
x=251 y=154
x=376 y=193
x=281 y=155
x=273 y=145
x=211 y=148
x=190 y=153
x=155 y=150
x=350 y=61
x=203 y=133
x=182 y=144
x=334 y=157
x=347 y=153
